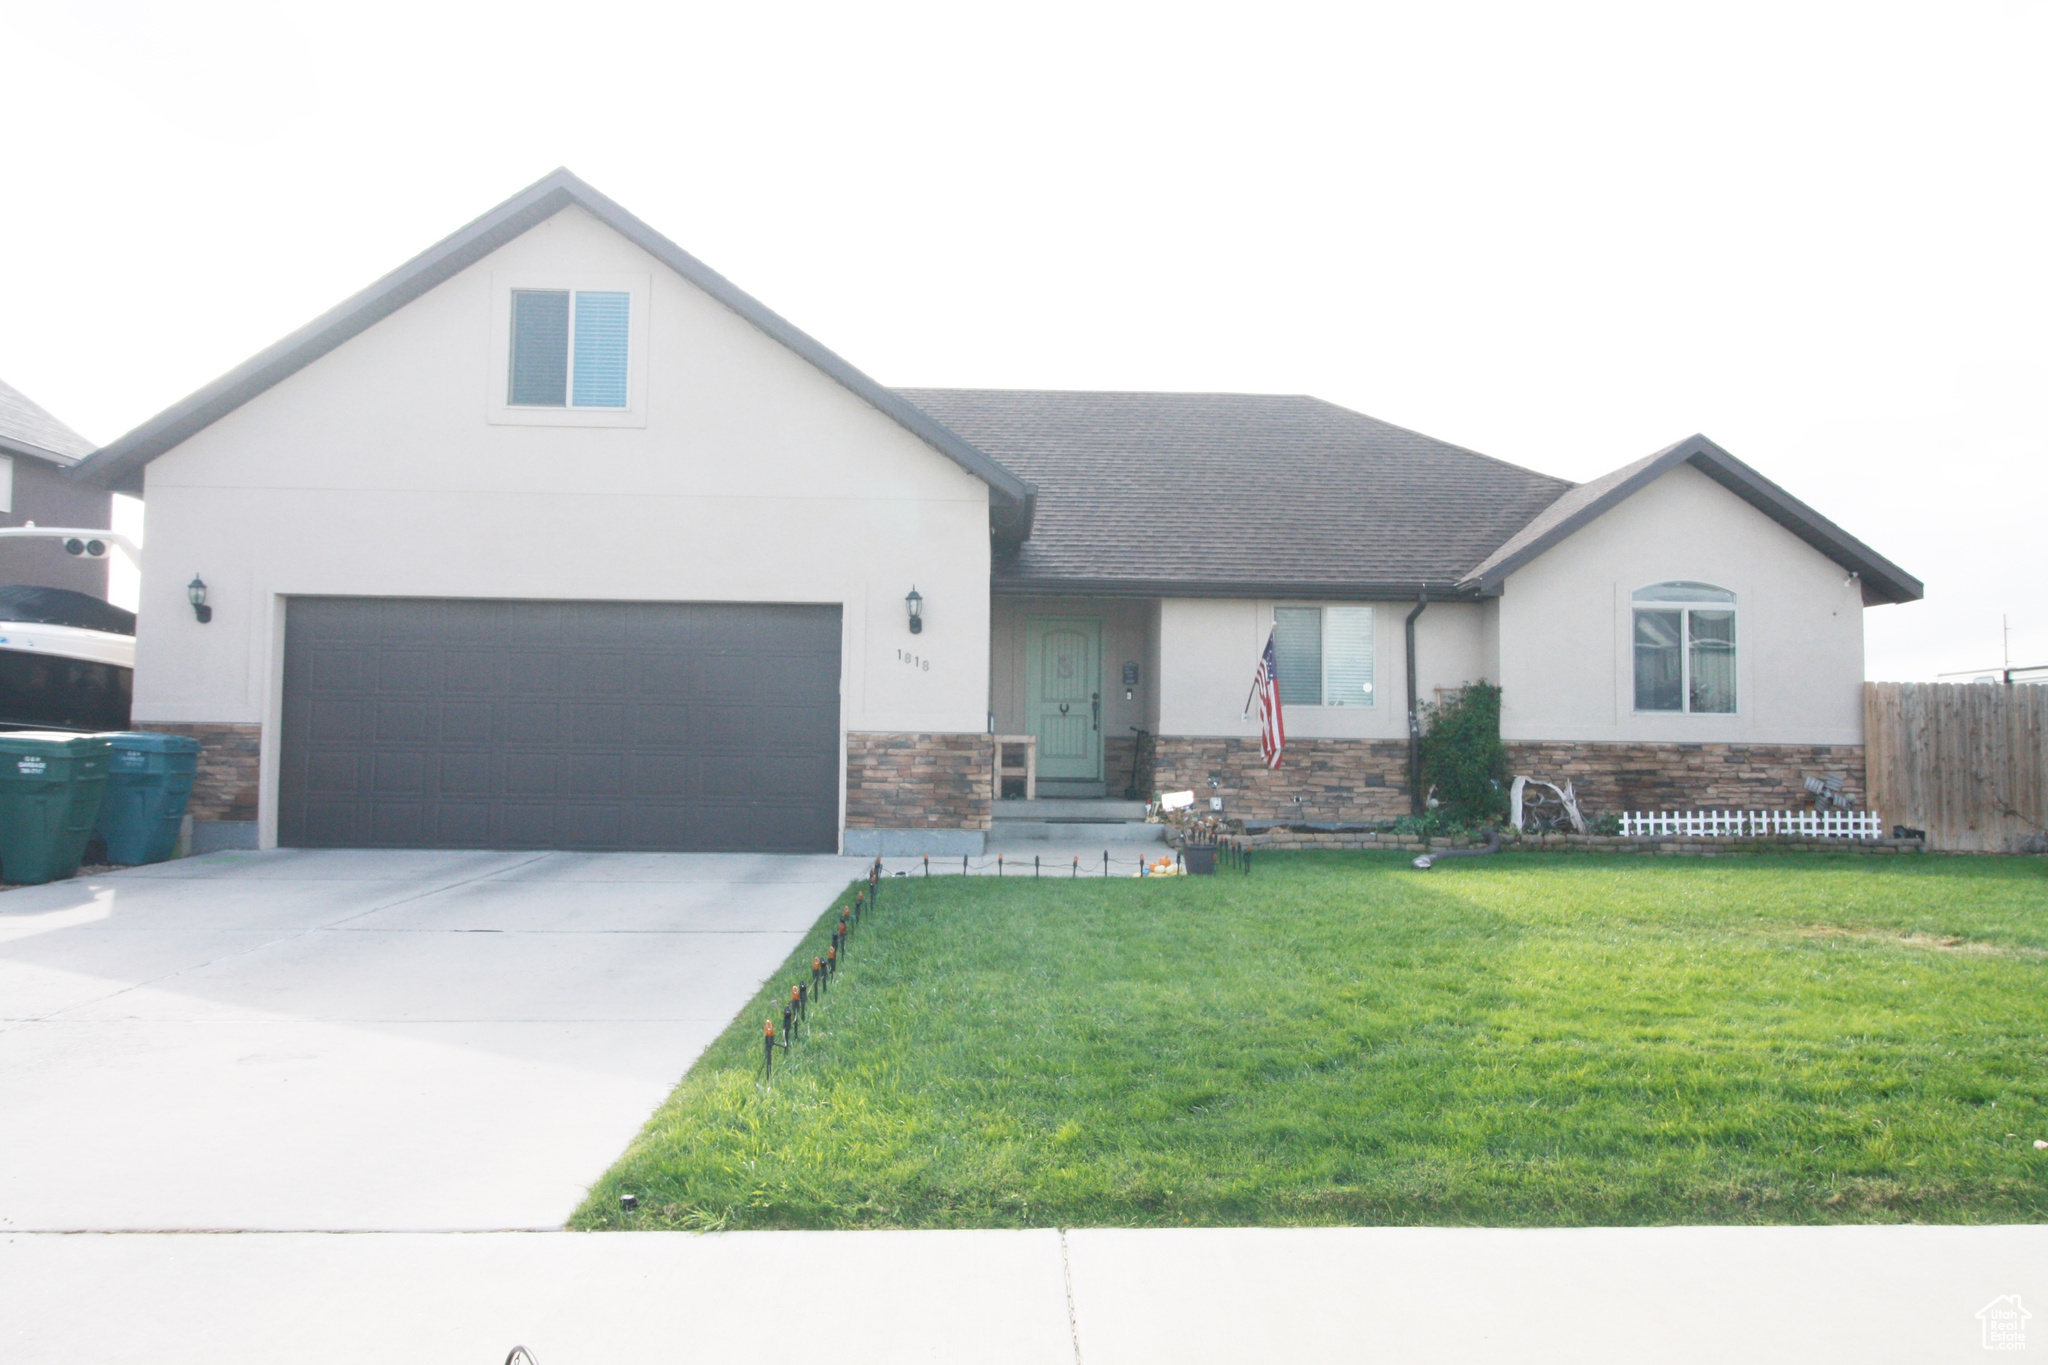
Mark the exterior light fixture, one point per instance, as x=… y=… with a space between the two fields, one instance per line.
x=916 y=604
x=195 y=593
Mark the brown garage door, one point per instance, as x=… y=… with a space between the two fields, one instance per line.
x=426 y=723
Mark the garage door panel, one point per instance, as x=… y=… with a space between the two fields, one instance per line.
x=337 y=720
x=405 y=722
x=332 y=824
x=459 y=774
x=534 y=672
x=598 y=774
x=408 y=670
x=398 y=823
x=332 y=773
x=596 y=724
x=471 y=672
x=560 y=725
x=468 y=722
x=600 y=624
x=522 y=721
x=659 y=826
x=805 y=728
x=517 y=825
x=462 y=824
x=529 y=773
x=592 y=826
x=604 y=673
x=399 y=773
x=399 y=623
x=659 y=726
x=336 y=669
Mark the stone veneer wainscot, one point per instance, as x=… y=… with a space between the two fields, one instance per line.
x=1610 y=778
x=229 y=777
x=917 y=793
x=1341 y=780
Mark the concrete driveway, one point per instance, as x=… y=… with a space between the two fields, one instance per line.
x=365 y=1040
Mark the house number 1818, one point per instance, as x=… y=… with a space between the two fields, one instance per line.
x=914 y=661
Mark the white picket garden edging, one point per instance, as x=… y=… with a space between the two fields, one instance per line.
x=1753 y=824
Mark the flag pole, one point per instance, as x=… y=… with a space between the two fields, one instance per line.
x=1246 y=713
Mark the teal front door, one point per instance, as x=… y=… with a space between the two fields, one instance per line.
x=1063 y=696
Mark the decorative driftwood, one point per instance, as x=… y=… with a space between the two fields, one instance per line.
x=1567 y=797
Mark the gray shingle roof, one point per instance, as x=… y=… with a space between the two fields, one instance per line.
x=26 y=429
x=1223 y=493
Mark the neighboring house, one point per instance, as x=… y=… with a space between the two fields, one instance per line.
x=555 y=538
x=35 y=451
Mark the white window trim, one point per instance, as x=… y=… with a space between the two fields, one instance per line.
x=501 y=413
x=1733 y=608
x=1323 y=682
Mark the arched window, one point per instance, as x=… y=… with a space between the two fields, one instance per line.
x=1685 y=648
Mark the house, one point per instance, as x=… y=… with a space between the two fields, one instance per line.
x=36 y=451
x=554 y=537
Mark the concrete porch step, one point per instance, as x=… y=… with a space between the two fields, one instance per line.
x=1069 y=808
x=1080 y=832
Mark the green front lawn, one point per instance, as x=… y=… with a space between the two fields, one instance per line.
x=1522 y=1040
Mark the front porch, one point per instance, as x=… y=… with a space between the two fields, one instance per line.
x=1079 y=675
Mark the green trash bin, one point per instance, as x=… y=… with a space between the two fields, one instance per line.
x=50 y=786
x=149 y=780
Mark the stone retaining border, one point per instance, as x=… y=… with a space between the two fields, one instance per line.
x=1288 y=840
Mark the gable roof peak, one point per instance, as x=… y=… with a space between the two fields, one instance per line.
x=1883 y=581
x=119 y=465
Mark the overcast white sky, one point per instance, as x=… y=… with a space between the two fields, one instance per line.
x=1564 y=235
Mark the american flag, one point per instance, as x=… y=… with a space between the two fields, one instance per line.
x=1266 y=684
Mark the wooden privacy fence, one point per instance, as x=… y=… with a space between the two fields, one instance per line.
x=1967 y=762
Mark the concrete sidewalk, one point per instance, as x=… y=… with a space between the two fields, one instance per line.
x=1414 y=1296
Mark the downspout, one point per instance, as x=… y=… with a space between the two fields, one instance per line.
x=1414 y=715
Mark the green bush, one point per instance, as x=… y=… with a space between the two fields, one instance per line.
x=1462 y=755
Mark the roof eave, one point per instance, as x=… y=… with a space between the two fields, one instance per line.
x=29 y=450
x=1441 y=590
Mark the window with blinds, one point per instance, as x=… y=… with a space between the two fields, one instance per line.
x=1325 y=655
x=1298 y=650
x=569 y=348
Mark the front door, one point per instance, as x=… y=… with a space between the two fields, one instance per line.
x=1063 y=696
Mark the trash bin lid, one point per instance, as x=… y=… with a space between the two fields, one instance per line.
x=149 y=741
x=18 y=741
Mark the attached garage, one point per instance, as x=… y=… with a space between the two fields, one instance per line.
x=441 y=723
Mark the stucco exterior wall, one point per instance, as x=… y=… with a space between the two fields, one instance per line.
x=1565 y=623
x=746 y=476
x=1209 y=648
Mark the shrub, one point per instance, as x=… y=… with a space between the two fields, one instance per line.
x=1462 y=755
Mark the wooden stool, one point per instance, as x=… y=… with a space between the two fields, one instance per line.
x=1029 y=771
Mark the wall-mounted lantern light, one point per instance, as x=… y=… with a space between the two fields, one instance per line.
x=195 y=592
x=916 y=604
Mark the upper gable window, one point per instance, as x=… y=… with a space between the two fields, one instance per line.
x=1685 y=648
x=569 y=348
